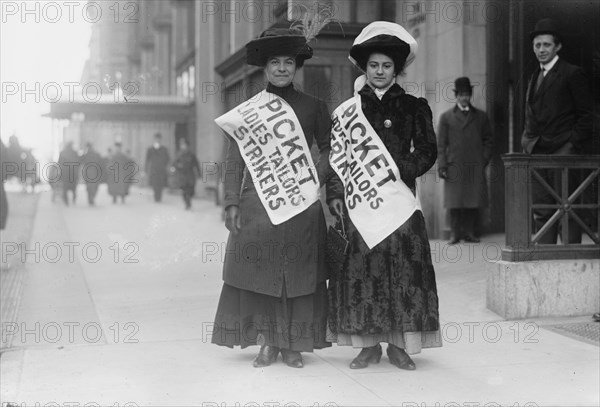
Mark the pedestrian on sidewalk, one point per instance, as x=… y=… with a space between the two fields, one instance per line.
x=157 y=162
x=69 y=161
x=385 y=290
x=118 y=174
x=187 y=170
x=92 y=170
x=5 y=162
x=465 y=147
x=131 y=171
x=275 y=296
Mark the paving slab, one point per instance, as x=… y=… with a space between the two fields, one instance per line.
x=155 y=317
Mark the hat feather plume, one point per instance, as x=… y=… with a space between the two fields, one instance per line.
x=313 y=21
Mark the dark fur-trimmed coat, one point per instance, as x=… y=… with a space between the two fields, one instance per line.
x=392 y=286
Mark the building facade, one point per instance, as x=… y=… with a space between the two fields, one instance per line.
x=183 y=60
x=488 y=41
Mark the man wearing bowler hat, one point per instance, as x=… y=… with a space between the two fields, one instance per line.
x=465 y=146
x=558 y=120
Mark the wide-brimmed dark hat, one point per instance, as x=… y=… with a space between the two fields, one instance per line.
x=388 y=38
x=278 y=42
x=463 y=84
x=545 y=26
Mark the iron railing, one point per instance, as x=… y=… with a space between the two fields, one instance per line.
x=576 y=201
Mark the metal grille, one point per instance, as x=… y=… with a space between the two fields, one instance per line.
x=585 y=331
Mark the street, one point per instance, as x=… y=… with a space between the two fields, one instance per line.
x=118 y=302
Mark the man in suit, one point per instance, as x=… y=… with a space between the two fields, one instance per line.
x=558 y=120
x=157 y=161
x=465 y=146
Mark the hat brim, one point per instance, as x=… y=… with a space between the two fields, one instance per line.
x=534 y=34
x=259 y=50
x=389 y=45
x=382 y=35
x=460 y=89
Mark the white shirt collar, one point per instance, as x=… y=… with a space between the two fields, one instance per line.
x=380 y=92
x=463 y=109
x=549 y=65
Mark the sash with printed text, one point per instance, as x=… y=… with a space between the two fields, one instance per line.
x=273 y=146
x=378 y=201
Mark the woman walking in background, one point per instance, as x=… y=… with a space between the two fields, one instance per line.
x=119 y=174
x=187 y=170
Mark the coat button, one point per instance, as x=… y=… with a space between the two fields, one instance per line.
x=387 y=123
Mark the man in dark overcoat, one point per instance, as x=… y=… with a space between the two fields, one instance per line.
x=68 y=161
x=157 y=162
x=558 y=120
x=92 y=171
x=465 y=146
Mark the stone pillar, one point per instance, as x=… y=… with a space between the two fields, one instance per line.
x=452 y=43
x=535 y=289
x=163 y=26
x=209 y=138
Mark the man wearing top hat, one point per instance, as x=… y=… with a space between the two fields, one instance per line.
x=558 y=118
x=465 y=146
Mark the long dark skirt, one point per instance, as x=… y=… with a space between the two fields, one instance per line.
x=390 y=288
x=247 y=318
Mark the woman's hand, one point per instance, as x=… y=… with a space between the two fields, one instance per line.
x=336 y=207
x=233 y=221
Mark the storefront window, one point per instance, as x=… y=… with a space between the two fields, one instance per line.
x=185 y=84
x=192 y=82
x=179 y=86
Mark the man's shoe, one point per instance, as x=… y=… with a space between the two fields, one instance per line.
x=596 y=317
x=367 y=355
x=399 y=358
x=292 y=358
x=454 y=240
x=471 y=239
x=266 y=356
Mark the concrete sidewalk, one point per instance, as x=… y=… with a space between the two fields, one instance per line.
x=103 y=330
x=22 y=208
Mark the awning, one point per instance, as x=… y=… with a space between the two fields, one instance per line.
x=143 y=108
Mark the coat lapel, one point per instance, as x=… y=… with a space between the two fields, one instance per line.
x=531 y=85
x=460 y=117
x=551 y=77
x=470 y=117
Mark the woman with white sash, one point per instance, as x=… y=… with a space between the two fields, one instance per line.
x=382 y=140
x=274 y=292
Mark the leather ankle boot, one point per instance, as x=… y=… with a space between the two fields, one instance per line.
x=398 y=357
x=266 y=356
x=368 y=355
x=292 y=358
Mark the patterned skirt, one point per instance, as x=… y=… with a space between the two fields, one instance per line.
x=388 y=293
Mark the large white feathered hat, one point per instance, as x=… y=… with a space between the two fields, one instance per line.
x=386 y=37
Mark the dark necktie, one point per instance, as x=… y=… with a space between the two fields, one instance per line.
x=540 y=79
